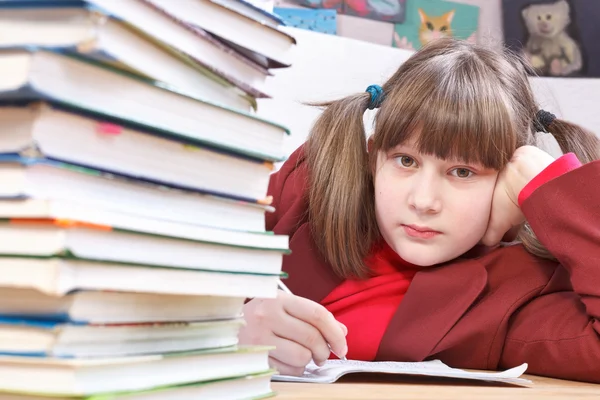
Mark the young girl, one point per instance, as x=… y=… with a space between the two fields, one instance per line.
x=387 y=235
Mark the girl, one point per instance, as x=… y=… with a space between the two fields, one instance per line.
x=386 y=235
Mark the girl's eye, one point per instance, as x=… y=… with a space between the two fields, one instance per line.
x=462 y=173
x=406 y=161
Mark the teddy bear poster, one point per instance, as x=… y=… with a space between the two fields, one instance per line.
x=559 y=37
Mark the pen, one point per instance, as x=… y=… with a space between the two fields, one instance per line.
x=283 y=287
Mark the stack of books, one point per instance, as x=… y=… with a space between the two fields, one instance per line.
x=133 y=183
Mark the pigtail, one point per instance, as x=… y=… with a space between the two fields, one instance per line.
x=572 y=139
x=341 y=202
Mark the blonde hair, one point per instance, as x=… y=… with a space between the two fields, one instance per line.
x=464 y=100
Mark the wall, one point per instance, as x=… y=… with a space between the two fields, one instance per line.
x=327 y=67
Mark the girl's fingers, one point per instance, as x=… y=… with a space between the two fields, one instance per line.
x=318 y=316
x=290 y=353
x=304 y=334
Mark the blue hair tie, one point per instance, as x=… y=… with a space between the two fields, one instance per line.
x=377 y=96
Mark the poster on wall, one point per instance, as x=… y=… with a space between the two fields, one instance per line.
x=379 y=10
x=558 y=37
x=316 y=20
x=321 y=4
x=427 y=20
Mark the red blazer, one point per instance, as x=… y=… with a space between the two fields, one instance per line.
x=496 y=311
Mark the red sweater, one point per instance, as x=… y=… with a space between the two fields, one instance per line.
x=367 y=306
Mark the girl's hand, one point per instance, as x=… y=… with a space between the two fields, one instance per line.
x=299 y=328
x=506 y=216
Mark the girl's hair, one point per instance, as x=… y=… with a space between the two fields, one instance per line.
x=459 y=100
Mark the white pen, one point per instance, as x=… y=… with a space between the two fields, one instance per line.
x=287 y=290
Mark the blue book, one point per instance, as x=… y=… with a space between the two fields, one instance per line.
x=28 y=337
x=93 y=307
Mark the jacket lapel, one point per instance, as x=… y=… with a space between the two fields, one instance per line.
x=309 y=275
x=436 y=299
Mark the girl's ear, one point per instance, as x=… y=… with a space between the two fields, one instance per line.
x=369 y=144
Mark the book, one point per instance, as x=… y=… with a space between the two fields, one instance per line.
x=104 y=38
x=167 y=31
x=42 y=133
x=250 y=10
x=334 y=369
x=59 y=276
x=248 y=387
x=230 y=25
x=93 y=376
x=185 y=38
x=39 y=338
x=37 y=74
x=41 y=190
x=49 y=238
x=110 y=307
x=68 y=211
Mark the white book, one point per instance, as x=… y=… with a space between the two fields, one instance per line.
x=55 y=238
x=184 y=37
x=39 y=190
x=92 y=86
x=35 y=338
x=59 y=276
x=69 y=211
x=253 y=11
x=42 y=131
x=110 y=307
x=107 y=39
x=78 y=377
x=230 y=25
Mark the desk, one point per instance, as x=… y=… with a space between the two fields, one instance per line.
x=423 y=388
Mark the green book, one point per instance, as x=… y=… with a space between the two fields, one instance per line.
x=136 y=377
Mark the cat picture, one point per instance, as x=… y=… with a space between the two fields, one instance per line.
x=550 y=48
x=434 y=27
x=428 y=20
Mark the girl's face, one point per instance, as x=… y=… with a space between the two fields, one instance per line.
x=431 y=210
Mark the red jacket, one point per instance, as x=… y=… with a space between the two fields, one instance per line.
x=496 y=311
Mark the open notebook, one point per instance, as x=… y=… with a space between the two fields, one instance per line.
x=334 y=369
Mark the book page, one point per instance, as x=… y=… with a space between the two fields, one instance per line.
x=334 y=369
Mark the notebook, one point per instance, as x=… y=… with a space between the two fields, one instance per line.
x=335 y=369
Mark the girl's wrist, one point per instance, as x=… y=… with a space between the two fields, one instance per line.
x=558 y=167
